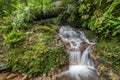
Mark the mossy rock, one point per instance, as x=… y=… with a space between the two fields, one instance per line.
x=37 y=52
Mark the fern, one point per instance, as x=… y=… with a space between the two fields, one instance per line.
x=7 y=6
x=106 y=23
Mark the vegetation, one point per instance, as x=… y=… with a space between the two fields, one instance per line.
x=30 y=46
x=109 y=52
x=7 y=6
x=34 y=51
x=99 y=16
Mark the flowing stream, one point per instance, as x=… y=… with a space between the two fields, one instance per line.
x=81 y=65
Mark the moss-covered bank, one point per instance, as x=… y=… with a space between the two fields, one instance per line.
x=34 y=51
x=109 y=51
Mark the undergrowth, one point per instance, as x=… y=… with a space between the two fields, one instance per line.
x=109 y=52
x=34 y=52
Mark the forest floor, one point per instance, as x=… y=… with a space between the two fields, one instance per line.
x=17 y=76
x=51 y=75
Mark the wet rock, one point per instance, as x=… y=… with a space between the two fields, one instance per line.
x=66 y=44
x=83 y=46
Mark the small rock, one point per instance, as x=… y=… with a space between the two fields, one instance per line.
x=37 y=78
x=25 y=77
x=44 y=75
x=11 y=76
x=4 y=75
x=54 y=77
x=45 y=78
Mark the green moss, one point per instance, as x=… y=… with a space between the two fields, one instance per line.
x=37 y=53
x=109 y=52
x=6 y=29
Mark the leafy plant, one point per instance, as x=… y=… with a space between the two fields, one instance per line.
x=99 y=16
x=24 y=14
x=7 y=6
x=106 y=23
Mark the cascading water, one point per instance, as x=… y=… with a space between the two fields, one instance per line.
x=81 y=66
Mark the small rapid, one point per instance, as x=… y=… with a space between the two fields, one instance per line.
x=81 y=65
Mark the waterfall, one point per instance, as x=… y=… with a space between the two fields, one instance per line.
x=81 y=65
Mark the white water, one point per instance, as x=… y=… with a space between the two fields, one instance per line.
x=81 y=66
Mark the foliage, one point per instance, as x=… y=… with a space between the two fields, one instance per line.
x=100 y=16
x=22 y=17
x=14 y=37
x=6 y=29
x=36 y=53
x=25 y=14
x=6 y=7
x=106 y=21
x=97 y=15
